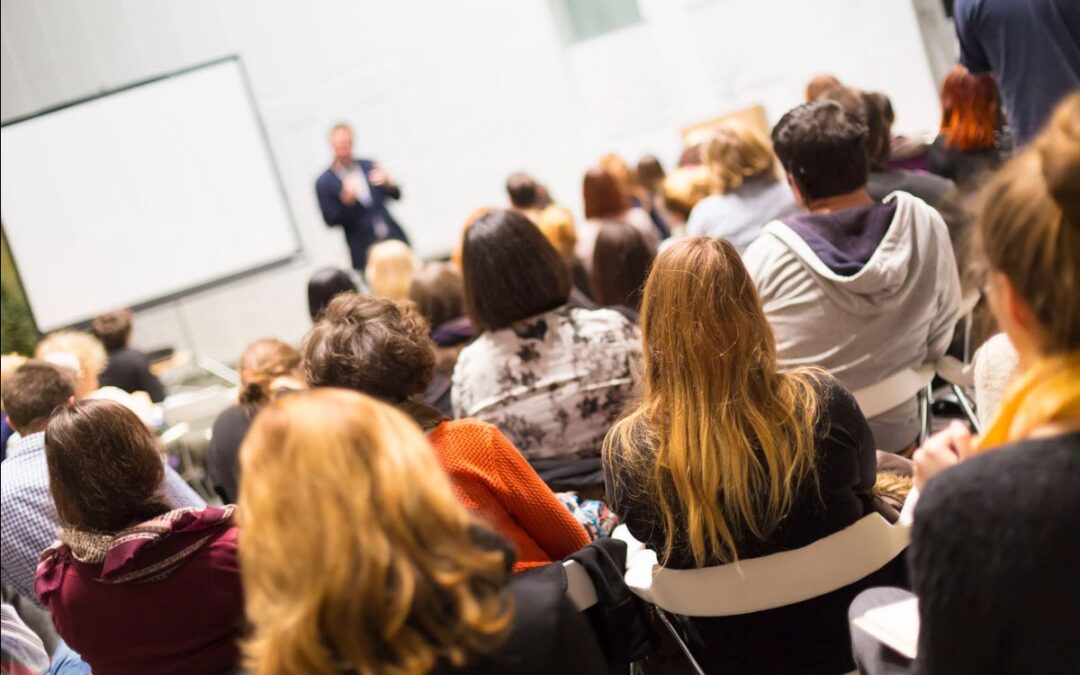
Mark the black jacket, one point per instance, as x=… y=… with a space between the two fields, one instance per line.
x=129 y=370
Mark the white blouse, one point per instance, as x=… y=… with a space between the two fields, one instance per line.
x=554 y=383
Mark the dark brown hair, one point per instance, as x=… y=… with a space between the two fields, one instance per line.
x=105 y=467
x=113 y=329
x=371 y=345
x=324 y=285
x=823 y=148
x=621 y=262
x=650 y=173
x=604 y=196
x=511 y=271
x=522 y=190
x=437 y=291
x=34 y=391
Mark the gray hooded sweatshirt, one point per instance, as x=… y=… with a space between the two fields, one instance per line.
x=864 y=292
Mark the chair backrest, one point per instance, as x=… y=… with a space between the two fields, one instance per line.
x=771 y=581
x=579 y=587
x=894 y=390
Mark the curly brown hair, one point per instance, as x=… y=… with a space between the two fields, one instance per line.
x=371 y=345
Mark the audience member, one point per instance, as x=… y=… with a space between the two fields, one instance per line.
x=8 y=364
x=395 y=577
x=621 y=262
x=21 y=650
x=606 y=201
x=440 y=298
x=683 y=189
x=819 y=85
x=381 y=349
x=80 y=352
x=85 y=356
x=557 y=224
x=132 y=585
x=966 y=148
x=1032 y=48
x=390 y=269
x=267 y=368
x=523 y=192
x=994 y=547
x=727 y=458
x=872 y=110
x=29 y=518
x=650 y=177
x=551 y=376
x=745 y=191
x=324 y=285
x=862 y=288
x=126 y=368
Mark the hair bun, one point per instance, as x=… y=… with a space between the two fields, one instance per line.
x=1059 y=151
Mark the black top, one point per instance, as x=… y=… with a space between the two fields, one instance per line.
x=926 y=186
x=129 y=370
x=548 y=635
x=810 y=636
x=222 y=460
x=845 y=240
x=994 y=557
x=963 y=167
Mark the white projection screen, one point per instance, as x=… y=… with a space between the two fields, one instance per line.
x=142 y=195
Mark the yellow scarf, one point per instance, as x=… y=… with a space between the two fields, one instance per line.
x=1048 y=391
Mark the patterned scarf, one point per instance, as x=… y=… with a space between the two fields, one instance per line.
x=148 y=551
x=1048 y=391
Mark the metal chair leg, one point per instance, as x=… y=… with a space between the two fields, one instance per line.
x=679 y=641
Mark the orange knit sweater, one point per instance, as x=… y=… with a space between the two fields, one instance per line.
x=493 y=480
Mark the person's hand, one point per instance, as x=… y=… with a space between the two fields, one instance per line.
x=944 y=449
x=378 y=176
x=348 y=193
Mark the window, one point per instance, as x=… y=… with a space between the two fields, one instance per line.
x=579 y=20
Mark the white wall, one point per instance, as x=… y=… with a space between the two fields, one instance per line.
x=451 y=97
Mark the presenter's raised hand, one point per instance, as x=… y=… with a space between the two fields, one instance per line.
x=378 y=176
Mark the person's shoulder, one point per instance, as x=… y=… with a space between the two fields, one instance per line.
x=1008 y=479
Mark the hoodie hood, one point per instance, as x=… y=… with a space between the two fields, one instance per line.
x=864 y=257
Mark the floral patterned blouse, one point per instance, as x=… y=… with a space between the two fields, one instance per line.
x=553 y=383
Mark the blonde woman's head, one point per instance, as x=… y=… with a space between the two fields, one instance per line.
x=370 y=566
x=390 y=268
x=557 y=224
x=79 y=352
x=735 y=152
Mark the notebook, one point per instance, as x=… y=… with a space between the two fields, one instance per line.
x=896 y=625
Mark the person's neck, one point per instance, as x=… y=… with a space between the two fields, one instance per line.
x=860 y=197
x=342 y=163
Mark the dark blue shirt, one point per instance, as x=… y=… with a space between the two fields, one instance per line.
x=1032 y=47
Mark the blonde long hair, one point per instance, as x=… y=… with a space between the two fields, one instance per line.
x=355 y=554
x=721 y=437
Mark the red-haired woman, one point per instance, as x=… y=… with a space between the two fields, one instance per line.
x=966 y=147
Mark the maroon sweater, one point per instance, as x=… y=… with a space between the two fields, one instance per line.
x=186 y=622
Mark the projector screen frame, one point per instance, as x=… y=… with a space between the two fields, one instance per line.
x=294 y=257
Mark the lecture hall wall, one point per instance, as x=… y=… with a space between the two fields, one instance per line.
x=453 y=96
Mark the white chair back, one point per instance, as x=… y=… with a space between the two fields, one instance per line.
x=772 y=581
x=894 y=390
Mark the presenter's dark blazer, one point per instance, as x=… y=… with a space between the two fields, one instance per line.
x=357 y=220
